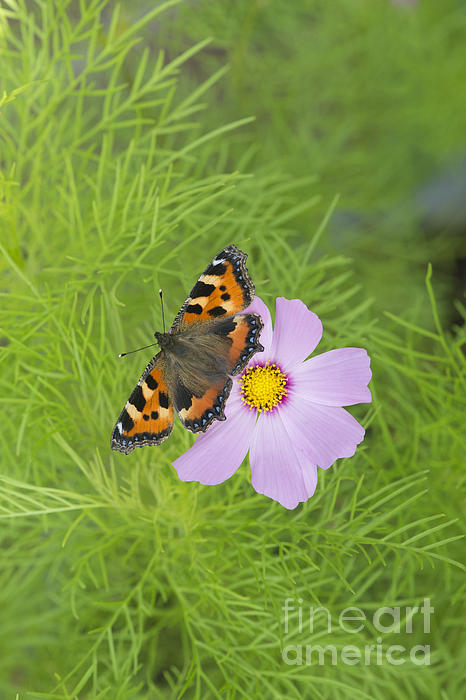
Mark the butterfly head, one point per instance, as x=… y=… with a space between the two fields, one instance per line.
x=165 y=340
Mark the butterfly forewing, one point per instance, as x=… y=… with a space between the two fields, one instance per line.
x=147 y=418
x=223 y=289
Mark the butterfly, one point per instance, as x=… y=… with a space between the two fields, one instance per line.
x=208 y=341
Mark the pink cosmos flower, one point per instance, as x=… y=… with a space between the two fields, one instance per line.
x=286 y=410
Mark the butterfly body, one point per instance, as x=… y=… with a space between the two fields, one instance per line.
x=208 y=341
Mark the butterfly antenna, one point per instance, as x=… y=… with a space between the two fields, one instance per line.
x=122 y=354
x=163 y=315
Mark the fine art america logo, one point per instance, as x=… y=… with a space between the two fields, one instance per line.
x=352 y=620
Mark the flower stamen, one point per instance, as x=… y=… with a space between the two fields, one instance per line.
x=263 y=387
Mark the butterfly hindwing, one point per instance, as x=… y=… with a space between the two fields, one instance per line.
x=147 y=418
x=242 y=335
x=197 y=412
x=223 y=289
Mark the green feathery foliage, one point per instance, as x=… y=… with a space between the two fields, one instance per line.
x=117 y=580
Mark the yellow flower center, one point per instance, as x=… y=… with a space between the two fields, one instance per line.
x=263 y=387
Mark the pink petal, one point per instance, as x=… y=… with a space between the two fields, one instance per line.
x=279 y=469
x=297 y=332
x=335 y=378
x=325 y=433
x=257 y=306
x=218 y=452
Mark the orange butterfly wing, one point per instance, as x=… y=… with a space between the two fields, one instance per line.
x=244 y=341
x=223 y=289
x=198 y=412
x=147 y=418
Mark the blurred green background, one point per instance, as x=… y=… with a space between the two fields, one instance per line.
x=328 y=141
x=367 y=97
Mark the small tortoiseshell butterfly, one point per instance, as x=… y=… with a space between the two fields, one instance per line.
x=208 y=341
